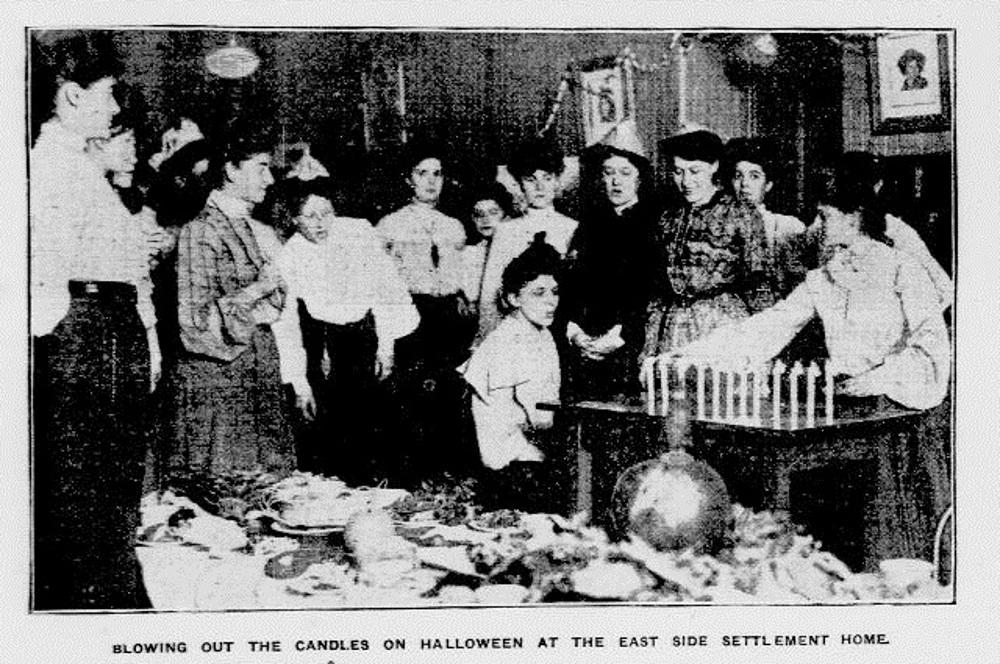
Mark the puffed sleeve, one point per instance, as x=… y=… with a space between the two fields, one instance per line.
x=502 y=250
x=395 y=314
x=198 y=313
x=287 y=329
x=212 y=323
x=499 y=418
x=916 y=375
x=906 y=239
x=755 y=258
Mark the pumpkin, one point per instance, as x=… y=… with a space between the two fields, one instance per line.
x=674 y=502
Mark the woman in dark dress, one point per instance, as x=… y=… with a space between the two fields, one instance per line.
x=608 y=287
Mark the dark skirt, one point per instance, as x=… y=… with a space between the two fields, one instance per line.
x=428 y=420
x=344 y=440
x=90 y=407
x=229 y=416
x=444 y=335
x=532 y=486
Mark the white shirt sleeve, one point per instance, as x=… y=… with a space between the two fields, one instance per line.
x=499 y=417
x=917 y=374
x=907 y=240
x=395 y=314
x=287 y=330
x=757 y=339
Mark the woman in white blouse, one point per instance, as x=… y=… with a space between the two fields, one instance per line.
x=881 y=314
x=345 y=300
x=510 y=373
x=886 y=337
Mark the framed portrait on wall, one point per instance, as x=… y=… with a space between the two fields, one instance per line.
x=910 y=82
x=608 y=97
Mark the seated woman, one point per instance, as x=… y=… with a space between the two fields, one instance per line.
x=886 y=337
x=537 y=166
x=515 y=368
x=345 y=299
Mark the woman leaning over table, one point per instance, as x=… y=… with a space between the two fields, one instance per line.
x=887 y=342
x=229 y=409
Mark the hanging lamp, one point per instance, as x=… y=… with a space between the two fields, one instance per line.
x=232 y=61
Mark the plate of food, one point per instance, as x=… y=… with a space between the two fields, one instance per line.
x=502 y=521
x=279 y=526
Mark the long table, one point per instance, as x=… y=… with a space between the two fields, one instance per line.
x=757 y=460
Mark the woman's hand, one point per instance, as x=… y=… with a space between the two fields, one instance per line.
x=859 y=386
x=384 y=362
x=305 y=402
x=586 y=345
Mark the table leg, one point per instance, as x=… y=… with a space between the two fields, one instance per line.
x=584 y=500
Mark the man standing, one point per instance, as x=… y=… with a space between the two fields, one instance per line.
x=91 y=365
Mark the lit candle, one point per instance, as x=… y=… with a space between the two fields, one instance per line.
x=700 y=391
x=663 y=364
x=744 y=391
x=682 y=369
x=758 y=395
x=716 y=396
x=401 y=101
x=793 y=395
x=647 y=373
x=811 y=374
x=731 y=394
x=828 y=394
x=776 y=371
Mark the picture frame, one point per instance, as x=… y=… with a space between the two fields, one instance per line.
x=910 y=82
x=608 y=97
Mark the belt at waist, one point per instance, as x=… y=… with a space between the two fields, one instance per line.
x=688 y=299
x=117 y=291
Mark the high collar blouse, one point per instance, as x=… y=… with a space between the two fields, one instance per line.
x=79 y=229
x=413 y=235
x=881 y=318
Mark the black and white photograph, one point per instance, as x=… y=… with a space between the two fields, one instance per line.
x=910 y=81
x=484 y=323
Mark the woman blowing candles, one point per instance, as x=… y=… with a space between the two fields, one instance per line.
x=536 y=166
x=881 y=315
x=886 y=338
x=711 y=267
x=229 y=407
x=515 y=368
x=606 y=287
x=353 y=306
